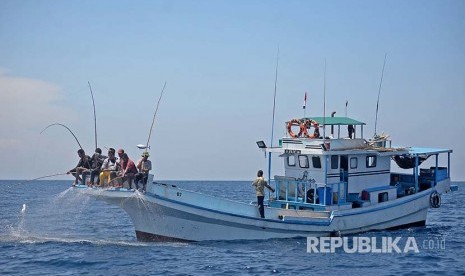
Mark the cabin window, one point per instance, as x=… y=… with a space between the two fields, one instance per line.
x=382 y=197
x=371 y=161
x=291 y=161
x=303 y=161
x=353 y=162
x=334 y=162
x=316 y=162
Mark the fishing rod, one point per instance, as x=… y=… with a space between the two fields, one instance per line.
x=379 y=92
x=95 y=116
x=154 y=115
x=42 y=177
x=58 y=124
x=274 y=109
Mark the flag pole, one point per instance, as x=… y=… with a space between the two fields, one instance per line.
x=305 y=104
x=347 y=102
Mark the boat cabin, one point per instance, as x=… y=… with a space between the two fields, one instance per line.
x=328 y=170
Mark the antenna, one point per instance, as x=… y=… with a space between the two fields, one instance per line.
x=379 y=92
x=274 y=109
x=324 y=104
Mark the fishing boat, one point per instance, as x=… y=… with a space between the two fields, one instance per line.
x=334 y=185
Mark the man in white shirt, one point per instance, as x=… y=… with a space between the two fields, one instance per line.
x=144 y=166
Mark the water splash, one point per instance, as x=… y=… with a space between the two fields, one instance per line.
x=140 y=199
x=19 y=230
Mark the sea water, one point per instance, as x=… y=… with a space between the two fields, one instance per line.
x=46 y=229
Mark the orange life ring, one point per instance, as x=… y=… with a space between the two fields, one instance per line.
x=289 y=128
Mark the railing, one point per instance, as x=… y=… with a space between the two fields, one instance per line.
x=427 y=178
x=298 y=192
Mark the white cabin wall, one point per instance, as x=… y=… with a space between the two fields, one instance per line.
x=312 y=173
x=360 y=178
x=334 y=176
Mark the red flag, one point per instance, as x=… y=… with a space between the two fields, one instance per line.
x=305 y=100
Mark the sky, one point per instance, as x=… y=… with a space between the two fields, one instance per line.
x=218 y=59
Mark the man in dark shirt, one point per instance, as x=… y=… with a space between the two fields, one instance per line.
x=95 y=165
x=83 y=164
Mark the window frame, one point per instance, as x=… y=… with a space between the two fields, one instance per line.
x=356 y=162
x=374 y=163
x=306 y=159
x=314 y=157
x=332 y=162
x=289 y=164
x=383 y=197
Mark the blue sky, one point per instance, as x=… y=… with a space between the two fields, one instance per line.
x=218 y=58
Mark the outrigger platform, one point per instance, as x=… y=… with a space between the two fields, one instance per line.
x=332 y=185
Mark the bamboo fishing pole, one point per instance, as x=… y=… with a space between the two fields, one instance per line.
x=95 y=116
x=154 y=115
x=58 y=124
x=75 y=138
x=42 y=177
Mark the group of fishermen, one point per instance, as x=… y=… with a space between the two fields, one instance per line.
x=111 y=171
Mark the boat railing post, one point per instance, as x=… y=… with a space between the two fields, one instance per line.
x=324 y=195
x=416 y=173
x=296 y=190
x=436 y=170
x=448 y=165
x=314 y=192
x=278 y=188
x=305 y=191
x=287 y=190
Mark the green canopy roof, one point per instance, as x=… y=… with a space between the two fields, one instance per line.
x=330 y=121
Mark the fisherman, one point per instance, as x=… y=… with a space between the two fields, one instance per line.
x=316 y=132
x=96 y=163
x=83 y=164
x=109 y=165
x=351 y=130
x=120 y=154
x=260 y=184
x=144 y=166
x=127 y=171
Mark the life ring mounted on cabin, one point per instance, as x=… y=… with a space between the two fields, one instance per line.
x=304 y=126
x=289 y=128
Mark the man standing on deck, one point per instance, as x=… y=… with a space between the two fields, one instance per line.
x=260 y=184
